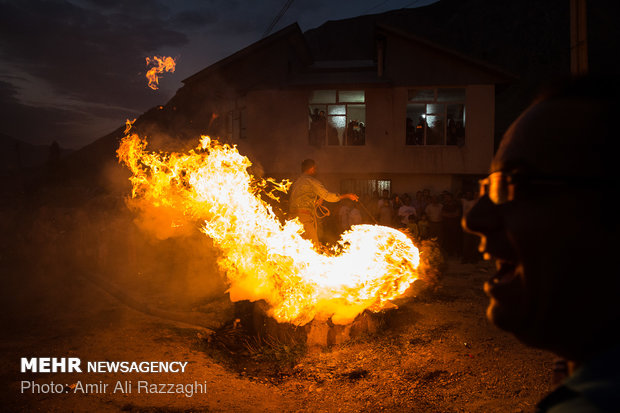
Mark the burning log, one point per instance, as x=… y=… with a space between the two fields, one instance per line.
x=254 y=317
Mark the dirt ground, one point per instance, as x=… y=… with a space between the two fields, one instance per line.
x=437 y=352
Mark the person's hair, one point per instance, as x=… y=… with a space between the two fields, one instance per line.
x=307 y=164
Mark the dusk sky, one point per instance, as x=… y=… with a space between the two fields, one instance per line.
x=74 y=70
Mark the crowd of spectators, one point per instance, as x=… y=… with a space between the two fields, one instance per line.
x=426 y=215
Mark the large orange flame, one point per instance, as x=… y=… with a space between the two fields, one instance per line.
x=263 y=258
x=160 y=65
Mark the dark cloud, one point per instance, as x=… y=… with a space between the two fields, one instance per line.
x=150 y=8
x=8 y=93
x=195 y=18
x=83 y=54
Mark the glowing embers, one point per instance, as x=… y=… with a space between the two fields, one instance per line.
x=159 y=66
x=264 y=259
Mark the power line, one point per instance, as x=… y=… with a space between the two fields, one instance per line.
x=278 y=17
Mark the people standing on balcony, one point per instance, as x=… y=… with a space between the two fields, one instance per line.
x=410 y=132
x=356 y=133
x=317 y=128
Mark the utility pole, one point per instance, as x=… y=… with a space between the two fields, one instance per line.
x=578 y=38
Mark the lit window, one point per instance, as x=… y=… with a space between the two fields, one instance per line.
x=436 y=117
x=337 y=118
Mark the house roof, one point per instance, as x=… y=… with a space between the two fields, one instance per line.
x=291 y=33
x=339 y=52
x=494 y=70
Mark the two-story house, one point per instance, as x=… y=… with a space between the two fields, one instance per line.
x=394 y=112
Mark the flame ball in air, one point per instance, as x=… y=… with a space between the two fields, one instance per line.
x=160 y=65
x=263 y=258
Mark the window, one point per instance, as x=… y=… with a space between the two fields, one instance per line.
x=236 y=121
x=436 y=117
x=236 y=127
x=368 y=187
x=337 y=117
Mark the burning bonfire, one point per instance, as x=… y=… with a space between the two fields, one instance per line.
x=263 y=258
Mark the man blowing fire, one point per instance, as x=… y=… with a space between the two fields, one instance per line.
x=306 y=192
x=545 y=215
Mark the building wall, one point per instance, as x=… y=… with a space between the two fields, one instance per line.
x=409 y=61
x=401 y=183
x=277 y=140
x=277 y=130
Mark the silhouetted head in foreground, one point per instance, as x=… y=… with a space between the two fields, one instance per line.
x=545 y=216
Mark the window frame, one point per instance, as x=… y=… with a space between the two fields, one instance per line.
x=443 y=115
x=236 y=121
x=349 y=106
